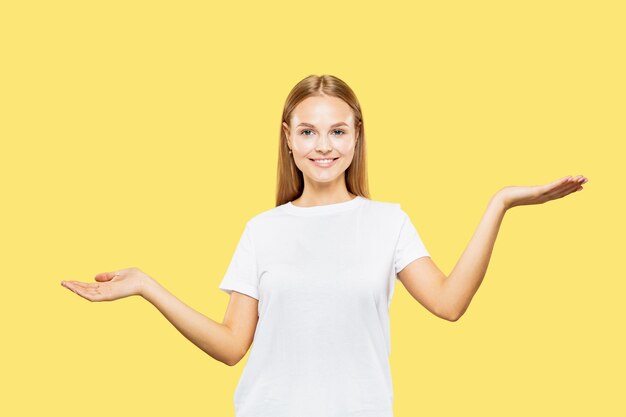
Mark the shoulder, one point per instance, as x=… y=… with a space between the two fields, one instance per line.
x=266 y=218
x=385 y=208
x=383 y=205
x=392 y=215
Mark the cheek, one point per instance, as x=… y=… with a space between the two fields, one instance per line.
x=345 y=148
x=303 y=147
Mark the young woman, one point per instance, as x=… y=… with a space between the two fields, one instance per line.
x=311 y=280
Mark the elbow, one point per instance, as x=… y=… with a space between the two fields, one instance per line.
x=448 y=316
x=444 y=312
x=236 y=357
x=234 y=352
x=226 y=360
x=448 y=308
x=452 y=310
x=456 y=314
x=230 y=358
x=453 y=317
x=451 y=314
x=231 y=361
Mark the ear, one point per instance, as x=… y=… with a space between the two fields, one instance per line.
x=286 y=130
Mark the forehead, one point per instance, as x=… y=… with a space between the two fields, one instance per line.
x=321 y=111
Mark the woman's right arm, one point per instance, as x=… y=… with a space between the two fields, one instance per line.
x=216 y=339
x=226 y=342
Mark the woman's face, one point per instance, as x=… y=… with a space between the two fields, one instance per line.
x=322 y=128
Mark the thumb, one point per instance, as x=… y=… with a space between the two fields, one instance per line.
x=106 y=276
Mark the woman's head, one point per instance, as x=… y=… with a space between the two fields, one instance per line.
x=321 y=119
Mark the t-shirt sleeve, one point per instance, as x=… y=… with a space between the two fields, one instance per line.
x=409 y=246
x=241 y=275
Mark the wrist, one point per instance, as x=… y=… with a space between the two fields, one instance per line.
x=146 y=286
x=500 y=201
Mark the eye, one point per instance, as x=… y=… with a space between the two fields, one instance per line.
x=341 y=132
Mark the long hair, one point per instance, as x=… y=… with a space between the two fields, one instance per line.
x=290 y=180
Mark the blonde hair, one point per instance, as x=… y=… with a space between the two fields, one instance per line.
x=290 y=181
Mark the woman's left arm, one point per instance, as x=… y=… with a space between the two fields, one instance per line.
x=463 y=282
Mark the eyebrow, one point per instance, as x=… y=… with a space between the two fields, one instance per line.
x=336 y=124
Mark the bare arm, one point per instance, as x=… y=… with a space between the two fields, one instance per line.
x=226 y=342
x=465 y=279
x=467 y=275
x=216 y=339
x=449 y=297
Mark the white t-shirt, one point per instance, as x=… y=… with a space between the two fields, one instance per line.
x=324 y=277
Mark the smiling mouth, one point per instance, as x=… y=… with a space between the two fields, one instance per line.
x=323 y=159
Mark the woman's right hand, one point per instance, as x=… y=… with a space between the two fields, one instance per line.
x=111 y=285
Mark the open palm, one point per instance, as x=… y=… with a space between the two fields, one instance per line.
x=525 y=195
x=110 y=285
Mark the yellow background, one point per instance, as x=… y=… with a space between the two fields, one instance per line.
x=145 y=134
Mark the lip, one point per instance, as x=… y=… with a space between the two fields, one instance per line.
x=314 y=161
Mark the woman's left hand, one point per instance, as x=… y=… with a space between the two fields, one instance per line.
x=538 y=194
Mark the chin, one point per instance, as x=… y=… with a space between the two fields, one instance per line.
x=324 y=177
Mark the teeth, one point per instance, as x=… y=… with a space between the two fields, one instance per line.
x=324 y=161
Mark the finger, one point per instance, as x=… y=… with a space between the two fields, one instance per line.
x=88 y=293
x=576 y=187
x=103 y=276
x=561 y=190
x=581 y=179
x=549 y=193
x=83 y=293
x=557 y=183
x=554 y=185
x=71 y=285
x=568 y=191
x=573 y=182
x=82 y=284
x=577 y=183
x=571 y=178
x=106 y=276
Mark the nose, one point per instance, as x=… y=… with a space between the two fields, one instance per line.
x=323 y=144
